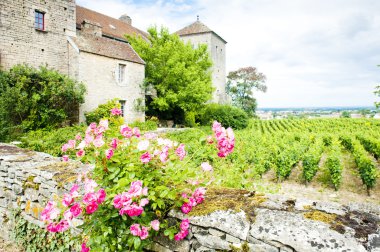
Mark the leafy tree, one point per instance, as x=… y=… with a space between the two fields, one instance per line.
x=345 y=114
x=36 y=98
x=240 y=87
x=179 y=74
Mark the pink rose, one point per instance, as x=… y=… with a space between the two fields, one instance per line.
x=89 y=198
x=184 y=224
x=89 y=185
x=74 y=191
x=104 y=123
x=71 y=144
x=80 y=153
x=164 y=154
x=131 y=210
x=50 y=212
x=144 y=233
x=68 y=215
x=135 y=229
x=117 y=201
x=136 y=188
x=78 y=137
x=126 y=131
x=62 y=226
x=98 y=142
x=116 y=111
x=67 y=200
x=209 y=140
x=109 y=153
x=181 y=235
x=180 y=151
x=65 y=158
x=145 y=158
x=155 y=224
x=206 y=166
x=51 y=227
x=76 y=210
x=144 y=202
x=186 y=208
x=143 y=145
x=91 y=208
x=145 y=191
x=199 y=194
x=92 y=126
x=114 y=143
x=88 y=139
x=65 y=147
x=101 y=195
x=136 y=132
x=85 y=248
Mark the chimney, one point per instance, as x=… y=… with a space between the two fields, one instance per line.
x=91 y=28
x=126 y=19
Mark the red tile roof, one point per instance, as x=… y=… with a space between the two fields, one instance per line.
x=111 y=27
x=107 y=47
x=196 y=28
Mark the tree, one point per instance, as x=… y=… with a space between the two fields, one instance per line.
x=345 y=114
x=377 y=93
x=240 y=87
x=180 y=74
x=33 y=98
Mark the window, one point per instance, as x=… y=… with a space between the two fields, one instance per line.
x=122 y=107
x=39 y=20
x=121 y=73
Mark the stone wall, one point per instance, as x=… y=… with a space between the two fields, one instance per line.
x=227 y=220
x=99 y=73
x=20 y=42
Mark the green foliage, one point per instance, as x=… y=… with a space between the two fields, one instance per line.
x=367 y=168
x=333 y=164
x=240 y=86
x=371 y=145
x=32 y=99
x=49 y=141
x=179 y=74
x=345 y=114
x=227 y=115
x=34 y=239
x=311 y=159
x=102 y=111
x=148 y=125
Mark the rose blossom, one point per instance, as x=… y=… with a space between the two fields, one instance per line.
x=164 y=154
x=109 y=153
x=135 y=229
x=126 y=131
x=50 y=212
x=144 y=233
x=206 y=166
x=116 y=111
x=184 y=224
x=104 y=123
x=144 y=202
x=143 y=145
x=98 y=142
x=68 y=215
x=65 y=147
x=85 y=248
x=155 y=224
x=65 y=158
x=145 y=158
x=186 y=208
x=114 y=143
x=101 y=195
x=76 y=210
x=80 y=153
x=91 y=208
x=89 y=185
x=136 y=132
x=199 y=194
x=74 y=191
x=136 y=188
x=89 y=198
x=78 y=137
x=180 y=151
x=67 y=200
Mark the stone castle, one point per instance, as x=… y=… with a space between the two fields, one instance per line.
x=91 y=47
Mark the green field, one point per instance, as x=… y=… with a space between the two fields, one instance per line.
x=319 y=151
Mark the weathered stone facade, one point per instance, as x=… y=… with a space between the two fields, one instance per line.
x=197 y=33
x=21 y=42
x=273 y=223
x=56 y=47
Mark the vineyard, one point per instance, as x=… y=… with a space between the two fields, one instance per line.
x=313 y=147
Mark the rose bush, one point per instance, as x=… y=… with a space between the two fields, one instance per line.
x=135 y=181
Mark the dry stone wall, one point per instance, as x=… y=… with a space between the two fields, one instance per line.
x=274 y=223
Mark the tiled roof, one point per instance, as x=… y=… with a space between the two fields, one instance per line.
x=196 y=28
x=107 y=47
x=110 y=26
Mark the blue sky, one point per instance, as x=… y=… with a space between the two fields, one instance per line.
x=314 y=53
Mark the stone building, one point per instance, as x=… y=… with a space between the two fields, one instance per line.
x=78 y=42
x=198 y=33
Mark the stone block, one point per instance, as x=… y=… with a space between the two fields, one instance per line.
x=213 y=242
x=232 y=239
x=31 y=194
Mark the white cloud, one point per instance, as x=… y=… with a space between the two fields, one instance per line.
x=314 y=53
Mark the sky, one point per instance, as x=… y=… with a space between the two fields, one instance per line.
x=313 y=53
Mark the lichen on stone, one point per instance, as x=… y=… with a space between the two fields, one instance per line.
x=321 y=216
x=229 y=199
x=30 y=184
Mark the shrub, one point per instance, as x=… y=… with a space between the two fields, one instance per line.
x=136 y=180
x=148 y=125
x=102 y=111
x=33 y=99
x=227 y=115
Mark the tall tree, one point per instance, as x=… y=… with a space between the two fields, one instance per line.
x=180 y=74
x=241 y=85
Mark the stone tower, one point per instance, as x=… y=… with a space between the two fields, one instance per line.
x=198 y=33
